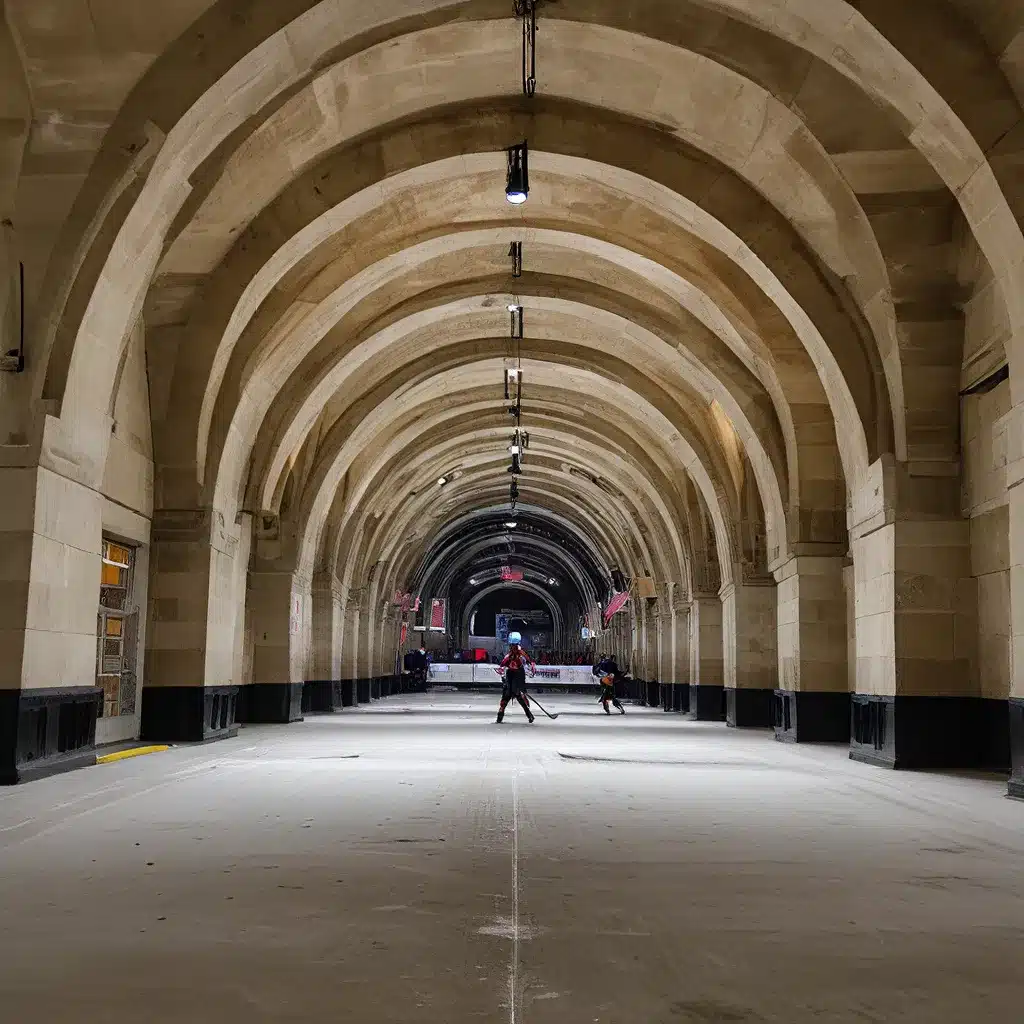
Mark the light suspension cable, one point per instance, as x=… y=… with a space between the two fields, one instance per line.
x=527 y=10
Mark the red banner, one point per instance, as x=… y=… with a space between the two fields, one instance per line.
x=405 y=634
x=437 y=613
x=617 y=603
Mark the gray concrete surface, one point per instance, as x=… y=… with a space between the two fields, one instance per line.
x=414 y=862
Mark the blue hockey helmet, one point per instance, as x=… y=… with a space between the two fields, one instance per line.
x=515 y=638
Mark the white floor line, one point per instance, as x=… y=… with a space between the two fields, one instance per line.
x=514 y=973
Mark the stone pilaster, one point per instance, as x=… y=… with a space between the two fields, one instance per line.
x=323 y=689
x=1015 y=497
x=197 y=593
x=707 y=689
x=750 y=662
x=352 y=620
x=812 y=702
x=280 y=607
x=50 y=536
x=325 y=657
x=918 y=702
x=679 y=650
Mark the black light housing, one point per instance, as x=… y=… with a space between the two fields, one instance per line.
x=517 y=182
x=516 y=252
x=516 y=331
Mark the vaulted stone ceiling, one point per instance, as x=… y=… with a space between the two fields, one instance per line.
x=767 y=244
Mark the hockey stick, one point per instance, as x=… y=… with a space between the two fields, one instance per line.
x=541 y=706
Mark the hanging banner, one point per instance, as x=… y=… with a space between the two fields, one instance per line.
x=405 y=634
x=437 y=613
x=617 y=603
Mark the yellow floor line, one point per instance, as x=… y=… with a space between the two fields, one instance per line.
x=120 y=755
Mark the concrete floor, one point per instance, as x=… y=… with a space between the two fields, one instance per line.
x=414 y=862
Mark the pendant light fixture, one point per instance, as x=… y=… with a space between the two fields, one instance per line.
x=517 y=181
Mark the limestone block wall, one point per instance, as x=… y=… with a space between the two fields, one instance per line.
x=50 y=531
x=281 y=606
x=706 y=661
x=128 y=473
x=811 y=625
x=985 y=503
x=681 y=643
x=915 y=598
x=228 y=564
x=749 y=629
x=325 y=652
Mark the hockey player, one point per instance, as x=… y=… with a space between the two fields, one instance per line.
x=514 y=665
x=607 y=672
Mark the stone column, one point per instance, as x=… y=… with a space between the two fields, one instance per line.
x=385 y=646
x=50 y=536
x=813 y=700
x=353 y=619
x=918 y=702
x=279 y=604
x=681 y=654
x=1014 y=433
x=750 y=661
x=707 y=683
x=663 y=634
x=196 y=596
x=323 y=689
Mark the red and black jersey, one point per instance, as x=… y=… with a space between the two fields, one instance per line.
x=517 y=658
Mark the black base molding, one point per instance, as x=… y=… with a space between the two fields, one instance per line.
x=270 y=703
x=363 y=691
x=810 y=716
x=318 y=697
x=321 y=697
x=1015 y=712
x=189 y=714
x=675 y=697
x=707 y=703
x=681 y=698
x=748 y=708
x=653 y=693
x=930 y=733
x=47 y=731
x=630 y=689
